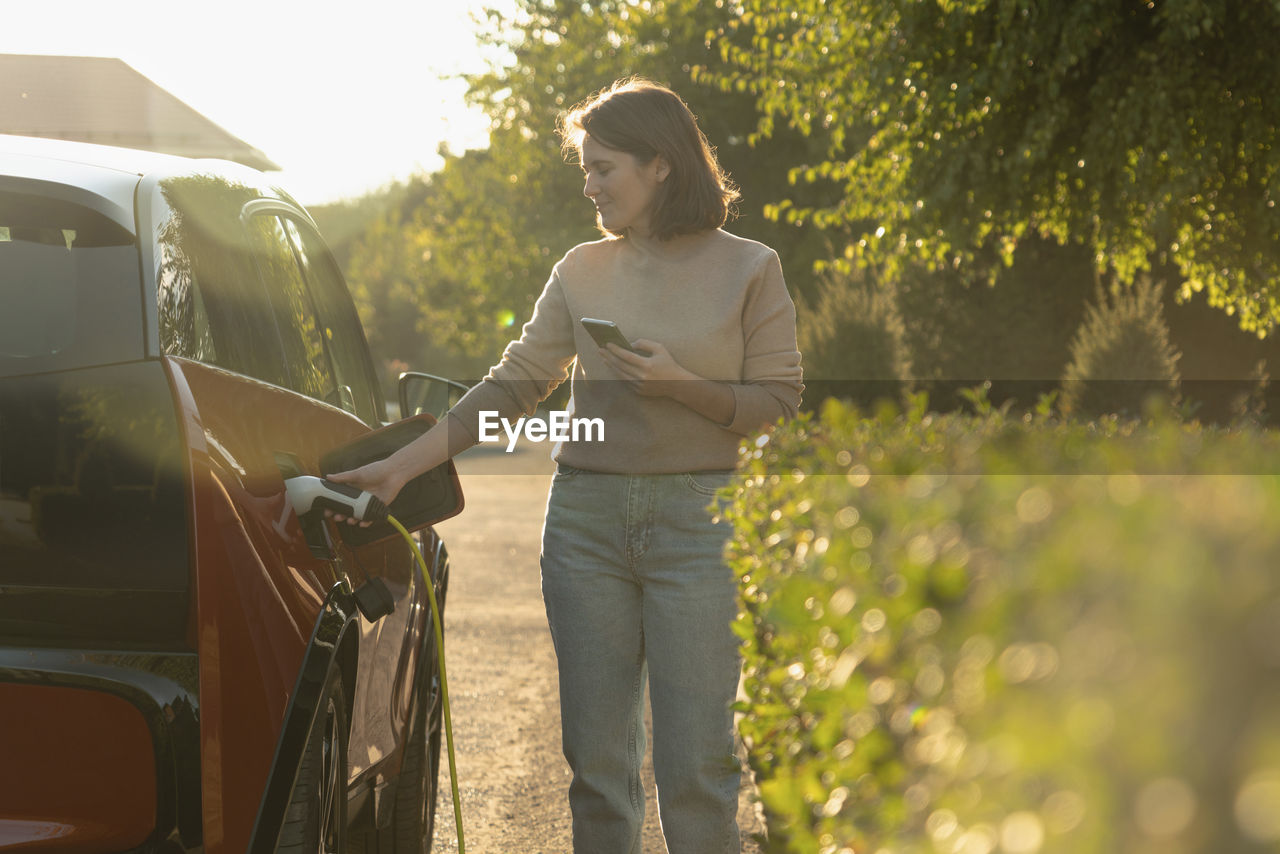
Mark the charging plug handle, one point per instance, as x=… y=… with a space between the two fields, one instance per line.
x=308 y=494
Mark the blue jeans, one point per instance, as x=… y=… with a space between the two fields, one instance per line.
x=636 y=587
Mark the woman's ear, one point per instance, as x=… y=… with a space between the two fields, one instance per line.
x=661 y=168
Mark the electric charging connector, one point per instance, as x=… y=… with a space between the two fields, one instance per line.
x=307 y=493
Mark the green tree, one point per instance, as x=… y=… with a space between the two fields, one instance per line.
x=475 y=246
x=1144 y=131
x=853 y=343
x=562 y=52
x=383 y=264
x=1120 y=354
x=1015 y=331
x=344 y=221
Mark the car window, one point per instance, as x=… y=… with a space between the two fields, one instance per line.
x=306 y=346
x=233 y=293
x=70 y=287
x=338 y=321
x=212 y=304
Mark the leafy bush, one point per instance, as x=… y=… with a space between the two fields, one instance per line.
x=977 y=633
x=1015 y=331
x=1120 y=354
x=852 y=342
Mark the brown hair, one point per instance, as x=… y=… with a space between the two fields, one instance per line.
x=645 y=120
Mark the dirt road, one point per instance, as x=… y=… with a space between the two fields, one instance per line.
x=502 y=673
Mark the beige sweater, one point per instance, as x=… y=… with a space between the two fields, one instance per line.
x=717 y=302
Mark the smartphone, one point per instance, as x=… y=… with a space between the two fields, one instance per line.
x=606 y=332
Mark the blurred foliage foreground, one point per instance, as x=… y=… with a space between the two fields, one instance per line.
x=978 y=633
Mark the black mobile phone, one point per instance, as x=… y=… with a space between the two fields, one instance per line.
x=606 y=332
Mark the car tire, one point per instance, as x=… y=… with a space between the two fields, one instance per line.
x=316 y=818
x=412 y=823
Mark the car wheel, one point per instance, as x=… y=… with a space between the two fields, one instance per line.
x=316 y=819
x=414 y=819
x=412 y=822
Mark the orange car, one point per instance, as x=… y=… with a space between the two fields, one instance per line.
x=185 y=665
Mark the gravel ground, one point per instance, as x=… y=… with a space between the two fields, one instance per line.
x=502 y=673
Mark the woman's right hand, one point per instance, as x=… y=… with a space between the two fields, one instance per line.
x=380 y=477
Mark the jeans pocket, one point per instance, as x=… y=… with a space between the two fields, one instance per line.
x=708 y=483
x=564 y=472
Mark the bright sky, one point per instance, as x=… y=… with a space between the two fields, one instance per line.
x=345 y=97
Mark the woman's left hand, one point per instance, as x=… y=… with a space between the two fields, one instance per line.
x=652 y=374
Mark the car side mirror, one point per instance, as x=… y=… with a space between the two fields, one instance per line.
x=428 y=393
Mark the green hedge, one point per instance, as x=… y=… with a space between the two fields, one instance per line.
x=975 y=633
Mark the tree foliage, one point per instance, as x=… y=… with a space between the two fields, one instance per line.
x=463 y=262
x=1016 y=331
x=1120 y=354
x=1145 y=131
x=853 y=341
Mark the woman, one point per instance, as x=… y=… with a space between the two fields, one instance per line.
x=633 y=577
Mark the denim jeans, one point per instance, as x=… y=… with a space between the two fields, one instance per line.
x=636 y=587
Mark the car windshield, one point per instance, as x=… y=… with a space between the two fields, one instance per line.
x=70 y=287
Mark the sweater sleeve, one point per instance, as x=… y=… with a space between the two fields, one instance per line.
x=531 y=368
x=771 y=375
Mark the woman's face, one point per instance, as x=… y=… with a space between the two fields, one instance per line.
x=622 y=188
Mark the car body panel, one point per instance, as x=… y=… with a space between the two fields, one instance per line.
x=110 y=190
x=260 y=591
x=112 y=805
x=161 y=686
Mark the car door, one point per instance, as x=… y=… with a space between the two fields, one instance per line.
x=250 y=363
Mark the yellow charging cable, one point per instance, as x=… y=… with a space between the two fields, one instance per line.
x=444 y=683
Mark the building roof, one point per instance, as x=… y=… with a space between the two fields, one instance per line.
x=102 y=100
